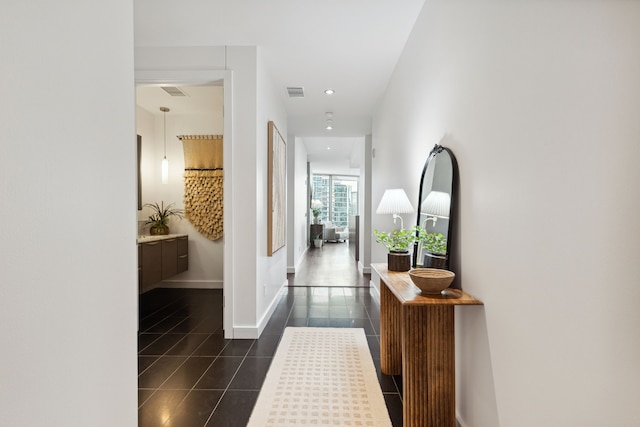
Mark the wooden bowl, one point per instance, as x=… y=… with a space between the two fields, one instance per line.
x=431 y=281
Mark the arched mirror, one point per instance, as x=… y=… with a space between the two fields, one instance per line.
x=435 y=209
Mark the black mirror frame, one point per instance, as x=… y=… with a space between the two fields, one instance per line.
x=437 y=149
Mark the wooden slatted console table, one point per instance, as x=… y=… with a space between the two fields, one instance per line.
x=417 y=341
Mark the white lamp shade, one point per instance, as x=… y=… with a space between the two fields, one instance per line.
x=394 y=201
x=316 y=204
x=436 y=204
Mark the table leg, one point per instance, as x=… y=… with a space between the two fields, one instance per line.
x=390 y=332
x=428 y=366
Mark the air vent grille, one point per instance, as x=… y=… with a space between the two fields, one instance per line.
x=295 y=92
x=174 y=91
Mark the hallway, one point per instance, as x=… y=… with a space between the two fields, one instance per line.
x=189 y=375
x=330 y=265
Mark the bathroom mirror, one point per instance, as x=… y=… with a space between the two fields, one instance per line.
x=435 y=209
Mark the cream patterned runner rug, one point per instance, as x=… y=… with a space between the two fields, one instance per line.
x=321 y=377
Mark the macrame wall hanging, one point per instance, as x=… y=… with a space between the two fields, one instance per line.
x=203 y=195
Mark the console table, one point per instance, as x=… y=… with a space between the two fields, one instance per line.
x=417 y=341
x=316 y=230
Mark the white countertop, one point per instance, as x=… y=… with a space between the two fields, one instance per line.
x=148 y=238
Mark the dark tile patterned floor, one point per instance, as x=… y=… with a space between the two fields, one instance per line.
x=190 y=376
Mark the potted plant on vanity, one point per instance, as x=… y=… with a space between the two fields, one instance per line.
x=160 y=216
x=398 y=243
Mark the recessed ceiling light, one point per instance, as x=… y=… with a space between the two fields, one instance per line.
x=328 y=148
x=329 y=127
x=329 y=91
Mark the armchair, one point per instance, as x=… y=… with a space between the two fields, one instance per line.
x=333 y=233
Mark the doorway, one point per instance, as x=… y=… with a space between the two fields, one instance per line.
x=196 y=102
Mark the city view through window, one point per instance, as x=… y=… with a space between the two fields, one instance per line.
x=338 y=195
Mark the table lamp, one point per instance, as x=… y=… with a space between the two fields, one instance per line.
x=395 y=201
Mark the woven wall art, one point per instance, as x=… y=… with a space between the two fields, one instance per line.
x=203 y=183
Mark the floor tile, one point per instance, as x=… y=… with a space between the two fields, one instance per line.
x=145 y=361
x=189 y=373
x=265 y=346
x=162 y=345
x=220 y=373
x=237 y=348
x=196 y=409
x=187 y=345
x=160 y=371
x=251 y=374
x=211 y=346
x=394 y=406
x=159 y=407
x=234 y=409
x=144 y=340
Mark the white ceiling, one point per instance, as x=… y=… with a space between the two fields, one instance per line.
x=197 y=99
x=350 y=46
x=330 y=149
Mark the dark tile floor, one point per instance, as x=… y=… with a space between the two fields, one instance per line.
x=189 y=375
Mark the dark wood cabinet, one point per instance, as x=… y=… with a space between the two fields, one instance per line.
x=160 y=260
x=183 y=254
x=151 y=260
x=316 y=230
x=169 y=258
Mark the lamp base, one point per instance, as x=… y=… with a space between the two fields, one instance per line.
x=399 y=261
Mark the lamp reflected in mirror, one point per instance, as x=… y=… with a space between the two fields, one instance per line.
x=436 y=205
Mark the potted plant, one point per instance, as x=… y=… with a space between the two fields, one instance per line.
x=316 y=214
x=160 y=217
x=317 y=241
x=435 y=245
x=398 y=243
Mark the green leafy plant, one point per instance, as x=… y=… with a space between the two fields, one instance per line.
x=400 y=240
x=161 y=214
x=435 y=243
x=316 y=212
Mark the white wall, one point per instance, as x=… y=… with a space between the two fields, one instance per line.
x=538 y=101
x=68 y=269
x=205 y=256
x=297 y=205
x=366 y=212
x=271 y=274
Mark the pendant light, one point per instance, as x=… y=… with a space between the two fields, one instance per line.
x=165 y=162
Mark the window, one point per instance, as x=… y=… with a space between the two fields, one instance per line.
x=338 y=195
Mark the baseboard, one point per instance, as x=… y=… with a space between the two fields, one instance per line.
x=192 y=284
x=294 y=270
x=254 y=332
x=374 y=291
x=245 y=333
x=362 y=269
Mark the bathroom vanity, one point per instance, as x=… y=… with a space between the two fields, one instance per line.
x=161 y=257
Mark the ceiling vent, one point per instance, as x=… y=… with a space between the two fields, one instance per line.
x=174 y=91
x=295 y=92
